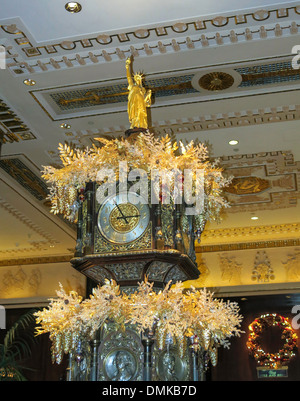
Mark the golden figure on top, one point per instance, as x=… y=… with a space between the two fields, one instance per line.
x=138 y=99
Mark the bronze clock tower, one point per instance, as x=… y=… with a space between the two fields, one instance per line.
x=134 y=230
x=126 y=238
x=136 y=236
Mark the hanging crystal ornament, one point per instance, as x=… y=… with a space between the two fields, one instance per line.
x=198 y=235
x=195 y=345
x=79 y=355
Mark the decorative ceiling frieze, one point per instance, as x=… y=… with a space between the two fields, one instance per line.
x=42 y=240
x=178 y=127
x=12 y=128
x=26 y=56
x=90 y=99
x=243 y=245
x=234 y=233
x=16 y=168
x=36 y=260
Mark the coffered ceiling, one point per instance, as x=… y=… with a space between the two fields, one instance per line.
x=218 y=71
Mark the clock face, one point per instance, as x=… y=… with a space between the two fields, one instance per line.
x=123 y=217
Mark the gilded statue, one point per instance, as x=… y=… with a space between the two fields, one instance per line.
x=138 y=99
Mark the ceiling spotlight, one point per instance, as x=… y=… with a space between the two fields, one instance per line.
x=254 y=218
x=29 y=82
x=73 y=7
x=233 y=142
x=65 y=126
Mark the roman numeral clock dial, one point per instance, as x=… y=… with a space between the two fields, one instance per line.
x=123 y=217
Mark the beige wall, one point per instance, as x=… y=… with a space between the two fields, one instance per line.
x=239 y=270
x=36 y=283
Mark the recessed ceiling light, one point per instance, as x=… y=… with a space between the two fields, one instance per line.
x=73 y=7
x=254 y=218
x=233 y=142
x=29 y=82
x=65 y=126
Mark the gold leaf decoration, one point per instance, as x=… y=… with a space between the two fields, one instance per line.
x=169 y=314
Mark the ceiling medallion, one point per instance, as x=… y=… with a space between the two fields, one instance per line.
x=73 y=7
x=215 y=81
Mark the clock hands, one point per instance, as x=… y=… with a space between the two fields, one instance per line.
x=122 y=214
x=121 y=221
x=136 y=215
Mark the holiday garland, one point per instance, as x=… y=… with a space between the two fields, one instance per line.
x=145 y=152
x=284 y=355
x=169 y=313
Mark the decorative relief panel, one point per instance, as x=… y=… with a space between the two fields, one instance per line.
x=292 y=265
x=247 y=185
x=157 y=270
x=262 y=271
x=269 y=269
x=127 y=270
x=262 y=181
x=170 y=366
x=175 y=274
x=38 y=281
x=230 y=270
x=20 y=279
x=120 y=356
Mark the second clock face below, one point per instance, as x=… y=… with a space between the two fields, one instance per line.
x=123 y=217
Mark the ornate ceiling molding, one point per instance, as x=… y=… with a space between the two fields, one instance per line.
x=12 y=128
x=269 y=231
x=179 y=127
x=195 y=86
x=36 y=260
x=240 y=118
x=242 y=246
x=18 y=170
x=147 y=41
x=27 y=222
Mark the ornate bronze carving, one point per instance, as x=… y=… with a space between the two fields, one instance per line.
x=247 y=185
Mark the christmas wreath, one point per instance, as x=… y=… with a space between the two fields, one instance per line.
x=258 y=327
